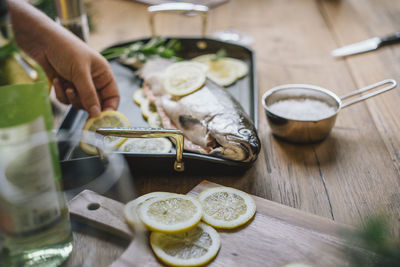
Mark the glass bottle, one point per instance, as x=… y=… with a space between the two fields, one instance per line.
x=71 y=14
x=34 y=223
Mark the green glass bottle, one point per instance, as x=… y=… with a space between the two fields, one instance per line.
x=34 y=223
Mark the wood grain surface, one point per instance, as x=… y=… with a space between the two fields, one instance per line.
x=350 y=176
x=276 y=236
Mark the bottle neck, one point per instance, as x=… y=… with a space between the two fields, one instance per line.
x=5 y=24
x=5 y=34
x=3 y=10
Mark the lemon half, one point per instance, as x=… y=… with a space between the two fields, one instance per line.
x=109 y=118
x=195 y=247
x=171 y=214
x=226 y=207
x=183 y=78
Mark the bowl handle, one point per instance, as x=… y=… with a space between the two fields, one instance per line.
x=391 y=84
x=181 y=8
x=138 y=132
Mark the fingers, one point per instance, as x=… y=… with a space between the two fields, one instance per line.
x=90 y=86
x=60 y=93
x=110 y=96
x=87 y=92
x=67 y=94
x=106 y=86
x=73 y=98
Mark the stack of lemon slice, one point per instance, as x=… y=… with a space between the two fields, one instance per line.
x=147 y=145
x=148 y=109
x=139 y=97
x=178 y=237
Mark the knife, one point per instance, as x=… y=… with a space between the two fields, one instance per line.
x=367 y=45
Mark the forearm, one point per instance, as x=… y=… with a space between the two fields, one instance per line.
x=67 y=61
x=31 y=24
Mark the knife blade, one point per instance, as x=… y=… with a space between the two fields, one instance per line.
x=366 y=45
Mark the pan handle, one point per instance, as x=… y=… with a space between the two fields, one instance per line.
x=137 y=132
x=390 y=85
x=181 y=8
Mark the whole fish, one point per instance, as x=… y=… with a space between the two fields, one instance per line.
x=212 y=121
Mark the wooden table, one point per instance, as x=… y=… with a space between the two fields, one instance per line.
x=348 y=177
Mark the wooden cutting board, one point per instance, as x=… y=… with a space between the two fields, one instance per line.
x=277 y=235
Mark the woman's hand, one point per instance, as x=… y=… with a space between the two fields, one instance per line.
x=81 y=76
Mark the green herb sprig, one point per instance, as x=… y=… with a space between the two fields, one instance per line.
x=377 y=239
x=156 y=46
x=8 y=50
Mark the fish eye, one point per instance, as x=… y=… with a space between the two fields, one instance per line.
x=245 y=131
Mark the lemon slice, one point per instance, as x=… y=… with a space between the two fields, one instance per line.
x=171 y=214
x=178 y=66
x=223 y=71
x=147 y=108
x=183 y=78
x=195 y=247
x=109 y=118
x=226 y=207
x=240 y=67
x=146 y=145
x=154 y=120
x=139 y=97
x=204 y=58
x=131 y=208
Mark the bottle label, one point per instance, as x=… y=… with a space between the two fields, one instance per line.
x=28 y=194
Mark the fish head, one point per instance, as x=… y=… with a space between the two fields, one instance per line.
x=237 y=137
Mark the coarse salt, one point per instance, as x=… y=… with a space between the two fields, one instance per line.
x=302 y=109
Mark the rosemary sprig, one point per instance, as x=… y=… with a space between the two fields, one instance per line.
x=157 y=46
